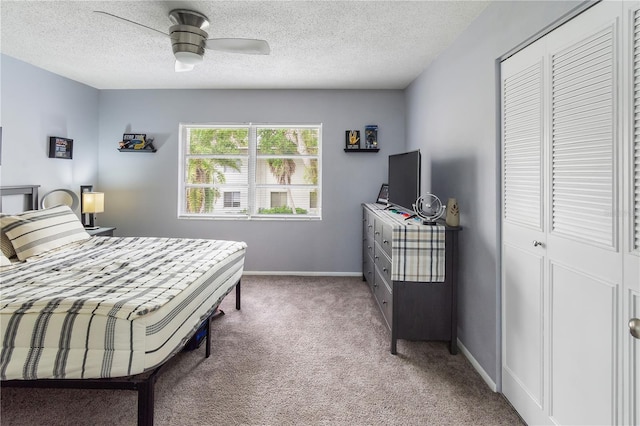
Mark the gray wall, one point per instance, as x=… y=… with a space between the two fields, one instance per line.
x=36 y=104
x=141 y=189
x=451 y=117
x=450 y=113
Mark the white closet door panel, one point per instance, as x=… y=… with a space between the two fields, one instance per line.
x=522 y=135
x=583 y=321
x=524 y=320
x=582 y=148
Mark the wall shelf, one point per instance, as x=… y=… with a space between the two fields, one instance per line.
x=362 y=150
x=137 y=150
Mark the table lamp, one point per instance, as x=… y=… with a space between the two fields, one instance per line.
x=92 y=203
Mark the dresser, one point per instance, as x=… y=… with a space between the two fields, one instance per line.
x=411 y=271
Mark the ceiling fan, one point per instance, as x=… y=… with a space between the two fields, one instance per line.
x=189 y=40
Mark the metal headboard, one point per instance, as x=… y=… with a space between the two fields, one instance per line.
x=29 y=191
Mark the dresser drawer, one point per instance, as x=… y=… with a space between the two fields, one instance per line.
x=383 y=296
x=383 y=234
x=383 y=263
x=368 y=224
x=367 y=267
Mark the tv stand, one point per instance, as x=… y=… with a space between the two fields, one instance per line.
x=411 y=309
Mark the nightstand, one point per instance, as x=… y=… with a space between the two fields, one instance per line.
x=103 y=231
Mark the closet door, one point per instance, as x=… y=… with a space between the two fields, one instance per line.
x=631 y=308
x=523 y=231
x=584 y=259
x=563 y=285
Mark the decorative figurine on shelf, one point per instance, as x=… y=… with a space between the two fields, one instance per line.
x=137 y=145
x=371 y=136
x=453 y=213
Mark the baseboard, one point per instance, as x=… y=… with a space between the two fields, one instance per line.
x=305 y=273
x=477 y=367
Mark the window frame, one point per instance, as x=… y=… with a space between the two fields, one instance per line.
x=252 y=187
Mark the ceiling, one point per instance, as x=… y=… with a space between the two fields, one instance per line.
x=314 y=44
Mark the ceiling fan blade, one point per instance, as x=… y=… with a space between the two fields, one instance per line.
x=182 y=67
x=121 y=19
x=248 y=46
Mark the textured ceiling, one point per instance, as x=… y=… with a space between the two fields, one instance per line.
x=314 y=44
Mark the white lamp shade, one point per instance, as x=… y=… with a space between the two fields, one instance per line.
x=92 y=202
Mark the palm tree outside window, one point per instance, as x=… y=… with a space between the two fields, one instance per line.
x=235 y=171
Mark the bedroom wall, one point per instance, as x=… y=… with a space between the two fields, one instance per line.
x=141 y=189
x=36 y=104
x=451 y=117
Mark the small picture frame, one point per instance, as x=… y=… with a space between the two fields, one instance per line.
x=371 y=136
x=383 y=195
x=352 y=139
x=60 y=148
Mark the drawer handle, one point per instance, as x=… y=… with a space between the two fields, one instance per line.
x=385 y=269
x=370 y=226
x=385 y=242
x=376 y=257
x=384 y=302
x=377 y=233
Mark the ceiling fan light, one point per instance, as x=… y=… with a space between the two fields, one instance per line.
x=189 y=58
x=180 y=67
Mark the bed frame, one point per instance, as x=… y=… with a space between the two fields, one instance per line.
x=143 y=383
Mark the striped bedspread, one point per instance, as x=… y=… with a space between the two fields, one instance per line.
x=110 y=307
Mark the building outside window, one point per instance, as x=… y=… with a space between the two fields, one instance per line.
x=250 y=171
x=278 y=199
x=232 y=199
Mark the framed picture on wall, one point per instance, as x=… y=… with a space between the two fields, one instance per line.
x=60 y=148
x=352 y=139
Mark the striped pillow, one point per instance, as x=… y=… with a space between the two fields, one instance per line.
x=5 y=243
x=39 y=231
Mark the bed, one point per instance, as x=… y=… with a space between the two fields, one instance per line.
x=103 y=312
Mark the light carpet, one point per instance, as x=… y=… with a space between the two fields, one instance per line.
x=302 y=351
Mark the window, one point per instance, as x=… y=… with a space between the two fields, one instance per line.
x=278 y=199
x=232 y=199
x=250 y=171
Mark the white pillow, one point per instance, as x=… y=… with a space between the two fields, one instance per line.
x=4 y=261
x=39 y=231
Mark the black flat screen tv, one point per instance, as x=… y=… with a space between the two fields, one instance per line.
x=404 y=179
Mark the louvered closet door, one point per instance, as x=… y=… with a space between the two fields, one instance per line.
x=563 y=284
x=631 y=306
x=523 y=322
x=584 y=259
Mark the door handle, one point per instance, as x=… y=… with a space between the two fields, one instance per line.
x=634 y=327
x=537 y=243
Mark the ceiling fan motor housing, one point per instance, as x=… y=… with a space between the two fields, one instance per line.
x=188 y=35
